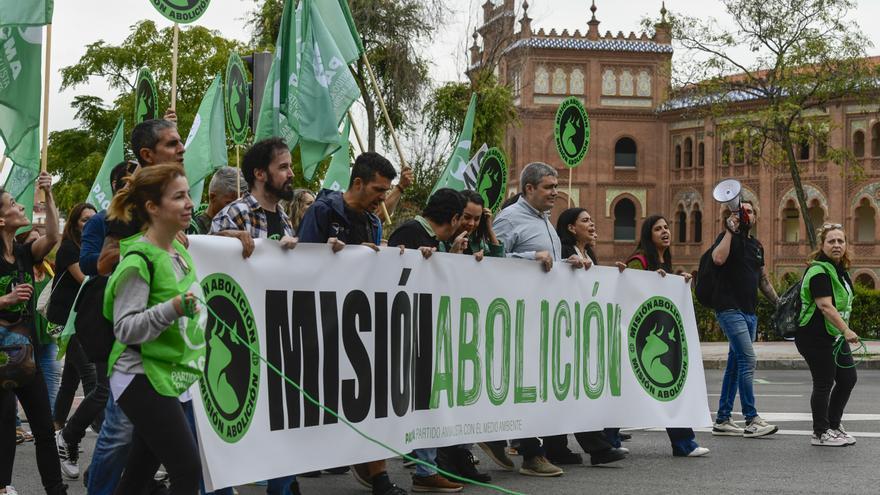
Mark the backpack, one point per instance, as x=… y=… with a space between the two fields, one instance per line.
x=707 y=279
x=94 y=330
x=787 y=316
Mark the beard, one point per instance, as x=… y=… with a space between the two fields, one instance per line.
x=284 y=192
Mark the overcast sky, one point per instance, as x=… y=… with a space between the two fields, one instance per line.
x=80 y=22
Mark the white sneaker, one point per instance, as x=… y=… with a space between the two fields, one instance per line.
x=698 y=452
x=68 y=455
x=10 y=490
x=757 y=427
x=841 y=433
x=828 y=439
x=727 y=428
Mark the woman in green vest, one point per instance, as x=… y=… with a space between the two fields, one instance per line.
x=826 y=304
x=158 y=345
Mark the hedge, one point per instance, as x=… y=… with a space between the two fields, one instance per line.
x=865 y=319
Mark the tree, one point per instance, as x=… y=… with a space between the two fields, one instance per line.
x=447 y=106
x=392 y=31
x=802 y=55
x=76 y=154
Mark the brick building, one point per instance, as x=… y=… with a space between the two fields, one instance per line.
x=647 y=156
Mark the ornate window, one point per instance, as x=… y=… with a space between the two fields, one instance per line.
x=577 y=82
x=688 y=153
x=859 y=144
x=865 y=221
x=559 y=82
x=625 y=153
x=542 y=81
x=609 y=83
x=643 y=87
x=625 y=220
x=626 y=83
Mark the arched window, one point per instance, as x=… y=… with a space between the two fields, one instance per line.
x=681 y=225
x=725 y=153
x=875 y=139
x=739 y=151
x=859 y=144
x=865 y=281
x=791 y=223
x=677 y=156
x=688 y=153
x=697 y=224
x=865 y=221
x=624 y=220
x=701 y=155
x=625 y=153
x=817 y=215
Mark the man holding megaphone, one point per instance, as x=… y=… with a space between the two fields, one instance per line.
x=738 y=266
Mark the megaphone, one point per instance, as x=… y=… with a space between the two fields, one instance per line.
x=729 y=193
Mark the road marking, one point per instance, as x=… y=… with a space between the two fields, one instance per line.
x=761 y=381
x=809 y=417
x=800 y=433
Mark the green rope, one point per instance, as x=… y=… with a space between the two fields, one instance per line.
x=234 y=333
x=862 y=349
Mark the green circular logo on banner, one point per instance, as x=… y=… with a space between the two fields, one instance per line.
x=572 y=131
x=658 y=348
x=146 y=98
x=181 y=11
x=231 y=382
x=238 y=105
x=492 y=179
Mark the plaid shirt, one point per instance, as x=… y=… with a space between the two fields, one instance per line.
x=246 y=214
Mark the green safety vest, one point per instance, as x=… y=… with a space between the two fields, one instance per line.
x=843 y=296
x=172 y=361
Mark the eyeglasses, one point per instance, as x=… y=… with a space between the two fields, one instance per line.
x=832 y=226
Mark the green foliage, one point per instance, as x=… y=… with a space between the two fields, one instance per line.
x=392 y=32
x=802 y=55
x=76 y=154
x=865 y=320
x=447 y=106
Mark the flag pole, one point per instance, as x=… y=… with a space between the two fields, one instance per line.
x=238 y=175
x=369 y=67
x=174 y=67
x=360 y=142
x=44 y=155
x=570 y=173
x=2 y=162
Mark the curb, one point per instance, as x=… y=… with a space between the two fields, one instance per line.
x=784 y=364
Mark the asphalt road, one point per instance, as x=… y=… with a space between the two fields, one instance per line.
x=784 y=463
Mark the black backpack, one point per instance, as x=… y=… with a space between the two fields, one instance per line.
x=707 y=278
x=93 y=330
x=787 y=316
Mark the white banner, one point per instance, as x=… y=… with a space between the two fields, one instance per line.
x=427 y=353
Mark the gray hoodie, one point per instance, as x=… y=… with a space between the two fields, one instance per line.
x=524 y=231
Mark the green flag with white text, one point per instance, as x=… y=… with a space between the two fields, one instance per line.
x=20 y=87
x=206 y=143
x=25 y=12
x=339 y=173
x=101 y=192
x=453 y=174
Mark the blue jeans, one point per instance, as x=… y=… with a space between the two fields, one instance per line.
x=427 y=455
x=45 y=358
x=741 y=329
x=111 y=451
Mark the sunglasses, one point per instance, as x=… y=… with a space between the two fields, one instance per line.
x=832 y=226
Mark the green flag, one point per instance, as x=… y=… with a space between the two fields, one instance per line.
x=339 y=23
x=339 y=173
x=453 y=174
x=25 y=12
x=325 y=88
x=20 y=84
x=206 y=143
x=21 y=181
x=272 y=117
x=101 y=192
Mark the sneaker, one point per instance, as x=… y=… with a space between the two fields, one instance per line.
x=841 y=433
x=698 y=452
x=435 y=484
x=828 y=439
x=539 y=466
x=68 y=455
x=460 y=461
x=727 y=428
x=10 y=490
x=497 y=452
x=757 y=427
